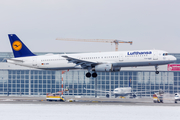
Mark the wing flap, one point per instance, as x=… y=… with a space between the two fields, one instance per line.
x=81 y=62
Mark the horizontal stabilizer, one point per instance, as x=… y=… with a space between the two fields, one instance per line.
x=15 y=60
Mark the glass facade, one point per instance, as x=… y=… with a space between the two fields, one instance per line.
x=40 y=82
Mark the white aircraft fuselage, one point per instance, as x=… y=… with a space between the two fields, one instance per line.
x=117 y=59
x=97 y=62
x=122 y=91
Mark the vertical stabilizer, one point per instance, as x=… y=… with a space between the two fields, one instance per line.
x=18 y=47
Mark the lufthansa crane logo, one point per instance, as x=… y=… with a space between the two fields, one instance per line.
x=17 y=45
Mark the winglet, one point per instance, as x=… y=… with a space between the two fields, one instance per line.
x=18 y=47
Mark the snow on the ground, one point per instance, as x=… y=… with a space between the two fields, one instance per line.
x=86 y=112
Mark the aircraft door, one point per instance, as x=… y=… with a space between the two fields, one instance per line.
x=34 y=61
x=121 y=57
x=155 y=55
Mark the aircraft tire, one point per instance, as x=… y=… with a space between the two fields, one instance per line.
x=107 y=95
x=134 y=96
x=94 y=75
x=88 y=75
x=157 y=72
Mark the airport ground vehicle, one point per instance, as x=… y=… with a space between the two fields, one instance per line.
x=158 y=97
x=55 y=97
x=177 y=97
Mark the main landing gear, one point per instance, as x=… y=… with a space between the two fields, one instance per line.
x=94 y=75
x=88 y=75
x=156 y=67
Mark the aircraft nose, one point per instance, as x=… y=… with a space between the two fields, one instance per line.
x=173 y=58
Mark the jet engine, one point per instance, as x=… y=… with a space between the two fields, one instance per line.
x=103 y=68
x=134 y=95
x=106 y=68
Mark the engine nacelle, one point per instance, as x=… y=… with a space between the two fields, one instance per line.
x=116 y=69
x=104 y=68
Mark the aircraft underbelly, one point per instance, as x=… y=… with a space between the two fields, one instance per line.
x=60 y=68
x=117 y=94
x=140 y=63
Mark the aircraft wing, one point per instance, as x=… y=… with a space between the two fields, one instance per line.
x=147 y=91
x=143 y=91
x=82 y=63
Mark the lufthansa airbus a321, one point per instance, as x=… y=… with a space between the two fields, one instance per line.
x=93 y=62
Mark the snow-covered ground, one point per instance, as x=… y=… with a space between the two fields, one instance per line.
x=86 y=112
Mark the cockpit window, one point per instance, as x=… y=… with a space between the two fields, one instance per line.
x=164 y=54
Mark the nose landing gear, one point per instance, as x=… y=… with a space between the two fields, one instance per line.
x=156 y=67
x=157 y=72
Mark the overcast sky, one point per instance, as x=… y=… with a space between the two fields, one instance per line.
x=150 y=24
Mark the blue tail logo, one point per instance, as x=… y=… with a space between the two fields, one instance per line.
x=18 y=47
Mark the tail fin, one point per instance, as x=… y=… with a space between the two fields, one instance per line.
x=18 y=47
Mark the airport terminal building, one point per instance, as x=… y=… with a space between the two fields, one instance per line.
x=17 y=80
